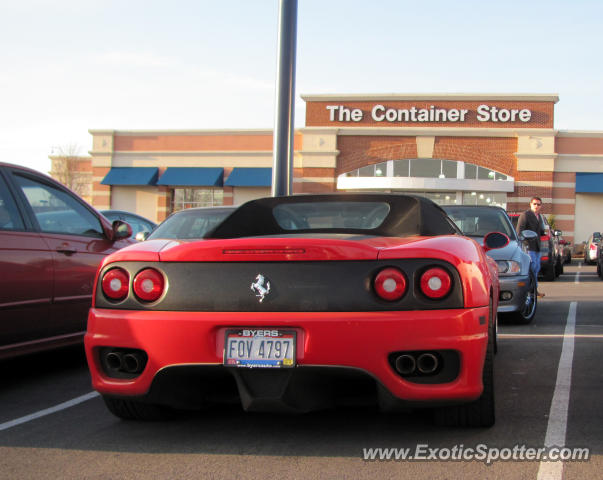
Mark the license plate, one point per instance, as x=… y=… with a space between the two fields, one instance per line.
x=260 y=348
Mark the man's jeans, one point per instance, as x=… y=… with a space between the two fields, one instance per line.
x=535 y=264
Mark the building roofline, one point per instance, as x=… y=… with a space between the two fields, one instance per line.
x=465 y=97
x=226 y=131
x=580 y=133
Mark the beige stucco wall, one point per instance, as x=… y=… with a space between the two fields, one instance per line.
x=244 y=194
x=588 y=215
x=140 y=200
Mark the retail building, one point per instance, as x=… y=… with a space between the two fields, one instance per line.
x=496 y=149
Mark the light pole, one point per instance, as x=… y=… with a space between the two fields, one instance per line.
x=282 y=150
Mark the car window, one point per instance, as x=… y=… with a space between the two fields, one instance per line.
x=479 y=221
x=112 y=216
x=321 y=215
x=56 y=211
x=137 y=224
x=189 y=224
x=9 y=215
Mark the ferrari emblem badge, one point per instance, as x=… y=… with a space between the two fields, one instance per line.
x=261 y=287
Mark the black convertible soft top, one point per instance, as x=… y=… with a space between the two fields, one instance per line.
x=387 y=215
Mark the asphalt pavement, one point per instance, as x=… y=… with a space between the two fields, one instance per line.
x=548 y=385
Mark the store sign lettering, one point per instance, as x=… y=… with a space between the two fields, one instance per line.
x=381 y=113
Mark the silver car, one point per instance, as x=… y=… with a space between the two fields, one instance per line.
x=518 y=298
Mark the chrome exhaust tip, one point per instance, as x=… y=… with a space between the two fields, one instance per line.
x=131 y=363
x=405 y=364
x=427 y=363
x=114 y=360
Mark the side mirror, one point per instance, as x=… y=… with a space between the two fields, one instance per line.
x=528 y=235
x=121 y=230
x=495 y=240
x=142 y=236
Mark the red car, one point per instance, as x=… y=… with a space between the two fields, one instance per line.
x=301 y=303
x=51 y=244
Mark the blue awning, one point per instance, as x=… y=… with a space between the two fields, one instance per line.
x=131 y=176
x=249 y=177
x=192 y=177
x=589 y=182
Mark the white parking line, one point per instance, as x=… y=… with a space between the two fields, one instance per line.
x=48 y=411
x=557 y=426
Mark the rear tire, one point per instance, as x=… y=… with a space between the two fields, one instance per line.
x=481 y=412
x=136 y=410
x=549 y=274
x=559 y=267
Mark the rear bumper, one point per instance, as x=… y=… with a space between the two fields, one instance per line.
x=335 y=341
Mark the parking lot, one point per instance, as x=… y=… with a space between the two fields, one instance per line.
x=548 y=392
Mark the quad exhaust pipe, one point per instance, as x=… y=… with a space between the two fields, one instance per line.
x=420 y=363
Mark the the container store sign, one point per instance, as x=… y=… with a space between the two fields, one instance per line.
x=383 y=114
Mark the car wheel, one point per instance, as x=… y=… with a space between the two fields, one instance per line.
x=559 y=267
x=479 y=413
x=549 y=274
x=527 y=312
x=136 y=410
x=599 y=271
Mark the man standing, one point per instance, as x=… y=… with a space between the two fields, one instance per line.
x=532 y=220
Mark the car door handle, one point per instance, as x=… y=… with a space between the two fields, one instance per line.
x=66 y=249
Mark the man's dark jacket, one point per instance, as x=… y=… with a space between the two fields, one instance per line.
x=529 y=221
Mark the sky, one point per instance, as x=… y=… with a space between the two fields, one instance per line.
x=68 y=66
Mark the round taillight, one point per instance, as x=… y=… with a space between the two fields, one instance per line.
x=148 y=285
x=115 y=283
x=436 y=282
x=390 y=284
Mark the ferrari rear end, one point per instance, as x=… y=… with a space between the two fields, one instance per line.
x=302 y=318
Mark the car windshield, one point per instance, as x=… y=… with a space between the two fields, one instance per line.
x=355 y=215
x=479 y=221
x=190 y=224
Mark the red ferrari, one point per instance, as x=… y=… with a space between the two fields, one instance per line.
x=300 y=303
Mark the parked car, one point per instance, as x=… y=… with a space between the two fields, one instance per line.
x=138 y=223
x=298 y=303
x=191 y=223
x=600 y=263
x=51 y=244
x=551 y=261
x=566 y=250
x=518 y=299
x=591 y=250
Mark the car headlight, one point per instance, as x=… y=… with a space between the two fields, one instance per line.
x=508 y=267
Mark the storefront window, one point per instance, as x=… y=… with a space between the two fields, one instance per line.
x=401 y=168
x=429 y=168
x=425 y=167
x=441 y=198
x=183 y=198
x=449 y=168
x=498 y=199
x=376 y=170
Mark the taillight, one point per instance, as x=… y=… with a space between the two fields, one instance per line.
x=592 y=246
x=435 y=282
x=390 y=284
x=115 y=283
x=148 y=285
